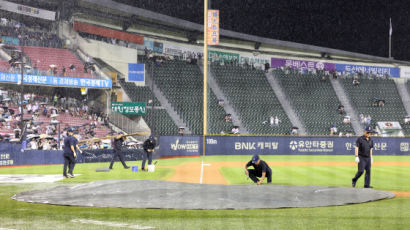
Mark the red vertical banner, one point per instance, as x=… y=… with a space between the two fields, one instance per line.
x=213 y=27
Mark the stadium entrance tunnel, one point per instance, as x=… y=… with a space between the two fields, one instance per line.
x=176 y=195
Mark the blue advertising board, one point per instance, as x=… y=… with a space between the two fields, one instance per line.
x=276 y=145
x=11 y=154
x=56 y=81
x=136 y=72
x=180 y=146
x=271 y=145
x=349 y=68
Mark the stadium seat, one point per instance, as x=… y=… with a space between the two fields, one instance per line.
x=253 y=98
x=314 y=101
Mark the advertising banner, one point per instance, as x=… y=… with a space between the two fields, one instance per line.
x=180 y=145
x=173 y=50
x=248 y=145
x=379 y=70
x=253 y=60
x=10 y=40
x=135 y=108
x=28 y=10
x=56 y=81
x=11 y=155
x=180 y=50
x=136 y=73
x=222 y=56
x=158 y=47
x=213 y=27
x=155 y=46
x=302 y=64
x=405 y=72
x=107 y=32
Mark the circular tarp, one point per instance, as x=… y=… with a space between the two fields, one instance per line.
x=176 y=195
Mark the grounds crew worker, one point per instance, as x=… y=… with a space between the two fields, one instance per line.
x=261 y=169
x=364 y=157
x=80 y=157
x=69 y=154
x=118 y=142
x=149 y=147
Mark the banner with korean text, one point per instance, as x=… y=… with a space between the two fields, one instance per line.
x=213 y=27
x=28 y=10
x=218 y=56
x=302 y=64
x=180 y=146
x=56 y=81
x=249 y=145
x=277 y=145
x=377 y=70
x=135 y=108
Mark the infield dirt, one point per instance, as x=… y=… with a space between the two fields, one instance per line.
x=190 y=172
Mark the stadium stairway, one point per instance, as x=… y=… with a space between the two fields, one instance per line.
x=164 y=102
x=227 y=105
x=161 y=118
x=314 y=100
x=385 y=89
x=343 y=98
x=287 y=107
x=252 y=97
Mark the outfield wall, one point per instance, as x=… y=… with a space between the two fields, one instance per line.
x=11 y=155
x=276 y=145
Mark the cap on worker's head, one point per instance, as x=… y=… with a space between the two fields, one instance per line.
x=120 y=133
x=255 y=158
x=368 y=129
x=151 y=136
x=70 y=130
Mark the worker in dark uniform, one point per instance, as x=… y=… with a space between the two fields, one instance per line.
x=80 y=158
x=261 y=169
x=364 y=157
x=149 y=147
x=118 y=142
x=69 y=154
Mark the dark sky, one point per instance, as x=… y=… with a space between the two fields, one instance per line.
x=359 y=26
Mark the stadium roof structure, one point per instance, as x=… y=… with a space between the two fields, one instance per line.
x=130 y=14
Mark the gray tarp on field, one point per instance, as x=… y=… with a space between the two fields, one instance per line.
x=175 y=195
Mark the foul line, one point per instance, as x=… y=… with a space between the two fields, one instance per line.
x=202 y=171
x=110 y=224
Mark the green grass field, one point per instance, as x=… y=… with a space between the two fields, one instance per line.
x=385 y=214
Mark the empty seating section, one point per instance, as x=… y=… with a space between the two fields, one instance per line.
x=138 y=93
x=361 y=97
x=315 y=101
x=182 y=84
x=161 y=121
x=406 y=127
x=216 y=116
x=253 y=98
x=42 y=58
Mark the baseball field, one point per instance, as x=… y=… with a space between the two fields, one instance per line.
x=389 y=173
